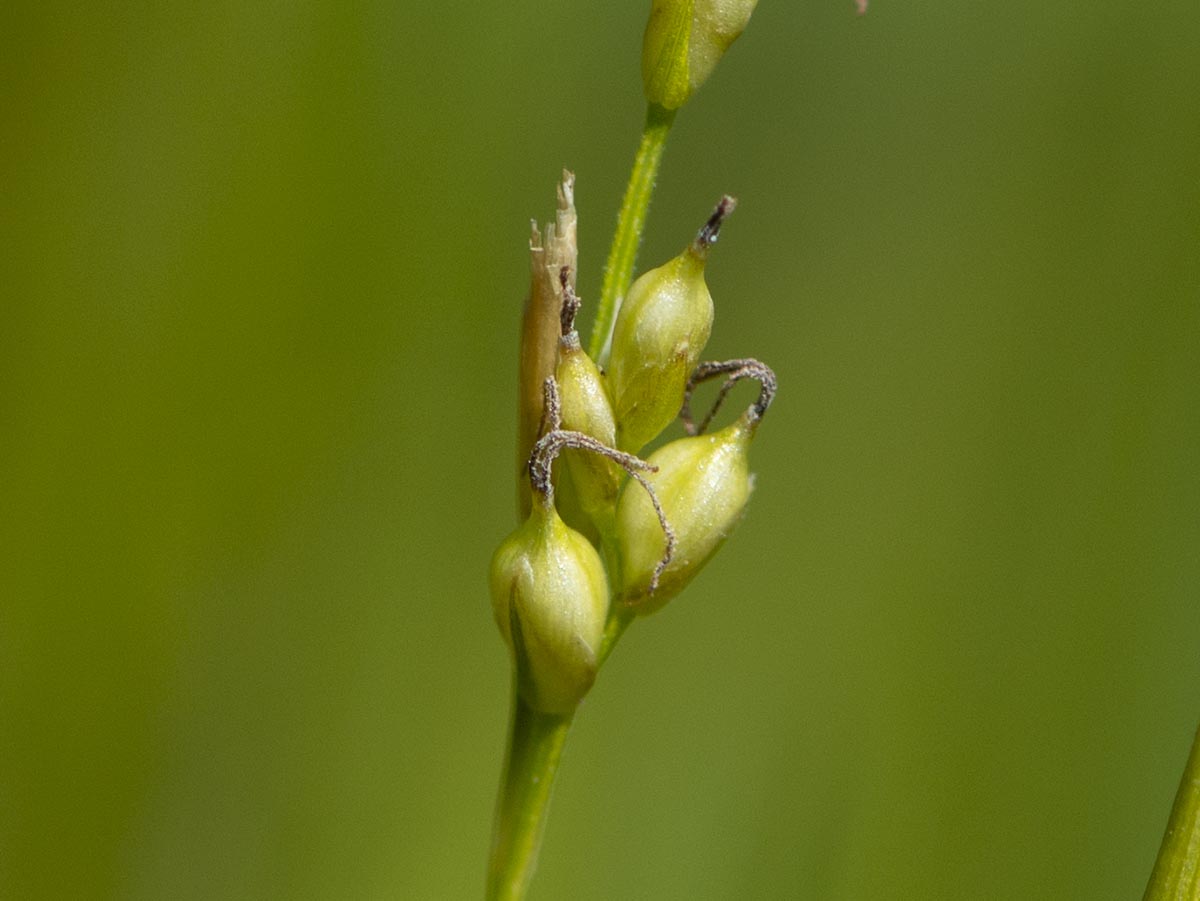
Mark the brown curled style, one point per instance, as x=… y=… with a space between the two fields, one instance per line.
x=571 y=302
x=551 y=412
x=556 y=439
x=735 y=370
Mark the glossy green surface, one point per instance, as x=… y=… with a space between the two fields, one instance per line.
x=260 y=275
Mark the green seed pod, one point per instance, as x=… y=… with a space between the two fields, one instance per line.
x=594 y=479
x=684 y=41
x=566 y=500
x=703 y=483
x=661 y=329
x=586 y=408
x=550 y=600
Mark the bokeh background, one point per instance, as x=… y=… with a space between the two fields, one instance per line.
x=260 y=273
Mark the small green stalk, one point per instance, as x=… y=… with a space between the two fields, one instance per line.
x=631 y=222
x=534 y=749
x=618 y=621
x=1176 y=875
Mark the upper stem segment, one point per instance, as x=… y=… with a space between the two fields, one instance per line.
x=534 y=749
x=631 y=221
x=1176 y=875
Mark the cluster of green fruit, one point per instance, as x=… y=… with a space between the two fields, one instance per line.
x=610 y=531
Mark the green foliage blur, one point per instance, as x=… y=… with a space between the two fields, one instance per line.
x=261 y=267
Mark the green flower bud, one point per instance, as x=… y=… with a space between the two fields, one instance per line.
x=594 y=479
x=702 y=483
x=550 y=599
x=661 y=329
x=684 y=41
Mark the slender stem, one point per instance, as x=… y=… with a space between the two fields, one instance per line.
x=618 y=622
x=534 y=748
x=631 y=221
x=1176 y=875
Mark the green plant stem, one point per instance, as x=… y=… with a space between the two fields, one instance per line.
x=535 y=746
x=618 y=622
x=631 y=222
x=534 y=749
x=1176 y=875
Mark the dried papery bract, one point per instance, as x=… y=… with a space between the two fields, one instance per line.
x=541 y=323
x=661 y=331
x=703 y=483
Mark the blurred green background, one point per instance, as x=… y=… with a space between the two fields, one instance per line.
x=260 y=273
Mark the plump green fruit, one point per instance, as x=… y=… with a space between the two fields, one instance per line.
x=703 y=484
x=586 y=408
x=660 y=333
x=550 y=599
